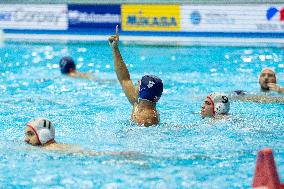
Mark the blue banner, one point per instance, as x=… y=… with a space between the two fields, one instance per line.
x=93 y=16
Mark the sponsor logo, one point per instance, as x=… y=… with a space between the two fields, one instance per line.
x=210 y=18
x=85 y=17
x=148 y=17
x=237 y=18
x=21 y=15
x=47 y=17
x=273 y=15
x=93 y=16
x=273 y=12
x=140 y=20
x=218 y=18
x=195 y=17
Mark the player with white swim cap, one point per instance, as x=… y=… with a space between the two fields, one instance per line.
x=215 y=104
x=40 y=131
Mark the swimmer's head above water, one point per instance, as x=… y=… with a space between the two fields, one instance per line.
x=39 y=132
x=215 y=104
x=266 y=76
x=67 y=65
x=150 y=88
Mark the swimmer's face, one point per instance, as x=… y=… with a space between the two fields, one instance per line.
x=265 y=77
x=31 y=137
x=207 y=108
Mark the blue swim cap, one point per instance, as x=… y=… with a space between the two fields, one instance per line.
x=151 y=88
x=66 y=63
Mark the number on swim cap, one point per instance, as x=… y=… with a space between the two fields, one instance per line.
x=225 y=99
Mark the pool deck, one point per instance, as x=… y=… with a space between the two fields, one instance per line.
x=151 y=38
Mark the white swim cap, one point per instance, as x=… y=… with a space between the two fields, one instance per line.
x=220 y=102
x=267 y=68
x=43 y=129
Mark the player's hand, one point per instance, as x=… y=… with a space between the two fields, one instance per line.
x=273 y=87
x=113 y=40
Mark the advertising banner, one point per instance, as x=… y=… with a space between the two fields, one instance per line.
x=150 y=17
x=93 y=16
x=232 y=18
x=31 y=16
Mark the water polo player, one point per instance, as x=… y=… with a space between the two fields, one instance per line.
x=215 y=104
x=267 y=81
x=144 y=98
x=68 y=67
x=39 y=132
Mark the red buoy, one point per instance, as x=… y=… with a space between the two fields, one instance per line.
x=266 y=175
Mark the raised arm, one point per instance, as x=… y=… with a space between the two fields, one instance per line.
x=121 y=70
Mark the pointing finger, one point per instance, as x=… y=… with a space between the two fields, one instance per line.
x=116 y=31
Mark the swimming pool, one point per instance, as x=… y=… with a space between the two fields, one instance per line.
x=181 y=152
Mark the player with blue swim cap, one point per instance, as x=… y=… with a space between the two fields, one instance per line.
x=68 y=67
x=151 y=88
x=144 y=98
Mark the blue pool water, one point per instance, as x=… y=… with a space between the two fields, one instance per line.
x=183 y=151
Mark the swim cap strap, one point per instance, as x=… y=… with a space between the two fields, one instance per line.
x=139 y=99
x=35 y=133
x=49 y=141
